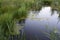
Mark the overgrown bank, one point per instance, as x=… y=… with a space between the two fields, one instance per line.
x=15 y=10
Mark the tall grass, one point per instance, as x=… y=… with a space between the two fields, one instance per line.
x=15 y=10
x=6 y=26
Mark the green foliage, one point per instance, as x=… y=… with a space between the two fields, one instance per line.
x=13 y=10
x=8 y=19
x=6 y=25
x=10 y=11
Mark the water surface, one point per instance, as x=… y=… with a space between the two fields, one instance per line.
x=38 y=25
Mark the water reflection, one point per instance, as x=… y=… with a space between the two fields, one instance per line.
x=42 y=23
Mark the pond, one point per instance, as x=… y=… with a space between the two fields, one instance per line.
x=39 y=24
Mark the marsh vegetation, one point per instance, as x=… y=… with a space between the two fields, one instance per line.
x=12 y=11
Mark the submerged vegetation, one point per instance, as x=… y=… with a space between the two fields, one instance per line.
x=12 y=11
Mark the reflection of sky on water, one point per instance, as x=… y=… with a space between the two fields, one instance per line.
x=42 y=21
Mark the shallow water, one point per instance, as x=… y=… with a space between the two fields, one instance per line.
x=38 y=25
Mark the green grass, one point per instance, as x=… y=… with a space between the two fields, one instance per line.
x=14 y=10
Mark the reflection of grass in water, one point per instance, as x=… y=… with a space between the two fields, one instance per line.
x=53 y=34
x=23 y=37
